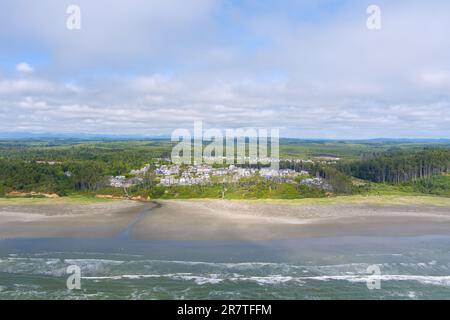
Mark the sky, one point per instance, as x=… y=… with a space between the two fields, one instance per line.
x=146 y=67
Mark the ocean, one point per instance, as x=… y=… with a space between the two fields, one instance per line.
x=306 y=268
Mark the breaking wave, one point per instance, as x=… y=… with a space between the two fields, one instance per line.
x=203 y=273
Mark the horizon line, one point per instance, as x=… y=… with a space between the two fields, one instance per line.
x=92 y=136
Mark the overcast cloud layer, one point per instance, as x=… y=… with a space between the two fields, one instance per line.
x=311 y=68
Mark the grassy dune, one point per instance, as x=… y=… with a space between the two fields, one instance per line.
x=369 y=200
x=74 y=199
x=378 y=195
x=354 y=199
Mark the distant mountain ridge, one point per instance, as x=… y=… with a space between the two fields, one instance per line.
x=80 y=136
x=89 y=136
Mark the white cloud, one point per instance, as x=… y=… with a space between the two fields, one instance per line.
x=438 y=79
x=14 y=87
x=24 y=67
x=130 y=107
x=324 y=76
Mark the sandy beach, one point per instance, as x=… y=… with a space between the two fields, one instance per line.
x=236 y=220
x=219 y=220
x=54 y=219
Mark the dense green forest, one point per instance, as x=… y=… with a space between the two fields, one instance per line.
x=67 y=167
x=399 y=166
x=40 y=177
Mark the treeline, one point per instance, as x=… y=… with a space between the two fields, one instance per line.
x=399 y=166
x=27 y=176
x=340 y=181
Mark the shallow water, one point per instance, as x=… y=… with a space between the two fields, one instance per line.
x=307 y=268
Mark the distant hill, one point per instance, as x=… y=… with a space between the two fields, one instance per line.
x=77 y=136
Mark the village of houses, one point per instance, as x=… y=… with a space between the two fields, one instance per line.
x=202 y=174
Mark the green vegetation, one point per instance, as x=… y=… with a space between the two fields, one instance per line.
x=438 y=185
x=19 y=175
x=81 y=169
x=60 y=178
x=382 y=200
x=400 y=166
x=81 y=199
x=115 y=157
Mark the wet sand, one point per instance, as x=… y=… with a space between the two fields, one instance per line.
x=67 y=220
x=219 y=220
x=236 y=220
